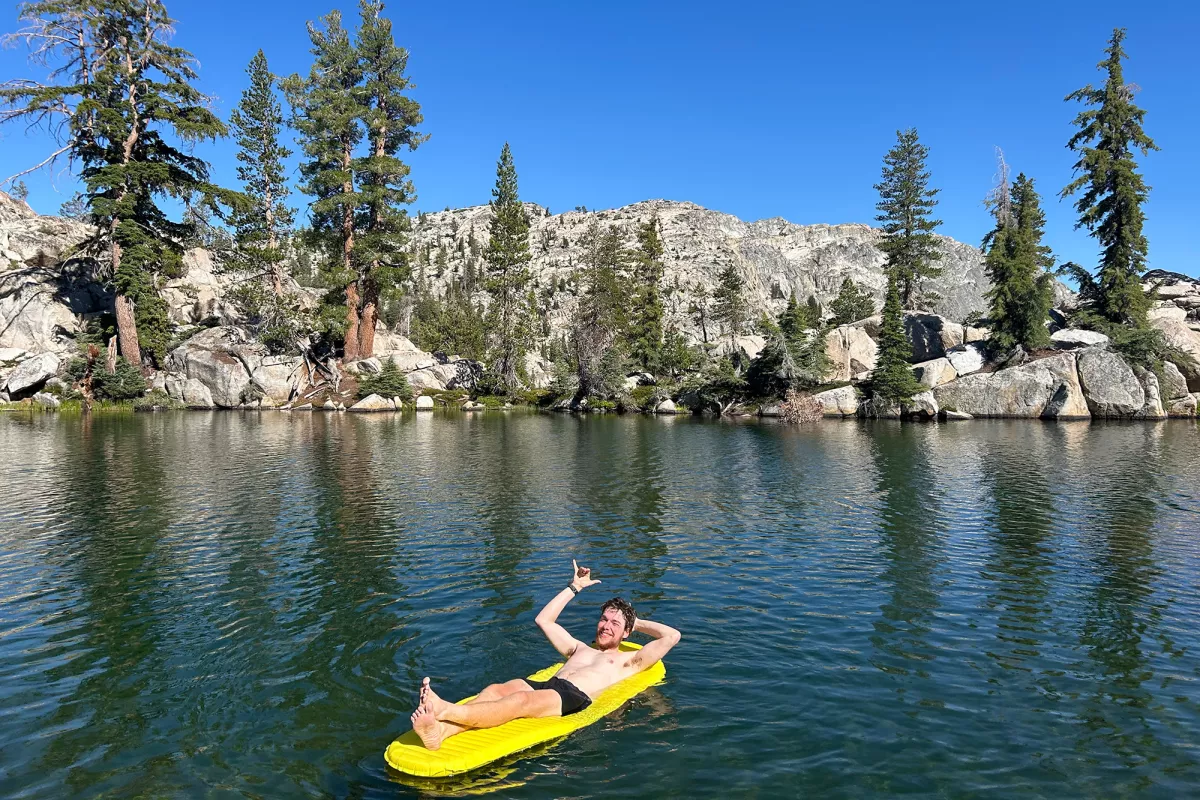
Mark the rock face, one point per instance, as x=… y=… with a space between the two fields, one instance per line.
x=1109 y=385
x=840 y=402
x=935 y=373
x=1069 y=338
x=774 y=256
x=1180 y=334
x=1048 y=388
x=1175 y=385
x=31 y=374
x=851 y=350
x=931 y=335
x=226 y=362
x=967 y=358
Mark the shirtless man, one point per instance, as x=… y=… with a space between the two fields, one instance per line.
x=590 y=669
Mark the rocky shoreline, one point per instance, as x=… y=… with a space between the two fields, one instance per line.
x=46 y=298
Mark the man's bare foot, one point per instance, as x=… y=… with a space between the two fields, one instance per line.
x=430 y=700
x=426 y=726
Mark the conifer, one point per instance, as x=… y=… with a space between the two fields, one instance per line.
x=729 y=302
x=906 y=203
x=1113 y=191
x=326 y=109
x=852 y=304
x=892 y=379
x=262 y=226
x=647 y=327
x=1017 y=264
x=390 y=117
x=793 y=319
x=507 y=259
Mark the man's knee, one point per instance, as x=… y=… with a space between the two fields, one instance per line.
x=542 y=703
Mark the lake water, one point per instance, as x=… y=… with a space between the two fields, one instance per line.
x=241 y=605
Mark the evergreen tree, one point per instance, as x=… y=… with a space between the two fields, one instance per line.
x=1017 y=265
x=261 y=227
x=326 y=109
x=729 y=302
x=647 y=327
x=122 y=97
x=507 y=260
x=892 y=379
x=1110 y=206
x=905 y=204
x=793 y=320
x=851 y=304
x=814 y=313
x=699 y=308
x=602 y=313
x=390 y=118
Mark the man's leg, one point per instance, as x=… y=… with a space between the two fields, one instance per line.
x=436 y=720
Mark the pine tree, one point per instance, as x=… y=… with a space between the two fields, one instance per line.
x=1017 y=265
x=1110 y=206
x=262 y=226
x=814 y=313
x=602 y=313
x=729 y=302
x=793 y=320
x=647 y=328
x=892 y=379
x=507 y=260
x=124 y=96
x=905 y=204
x=326 y=109
x=390 y=118
x=851 y=304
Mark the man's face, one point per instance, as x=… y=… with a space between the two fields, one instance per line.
x=610 y=630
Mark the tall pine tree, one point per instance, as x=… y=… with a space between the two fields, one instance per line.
x=390 y=118
x=124 y=96
x=852 y=304
x=1110 y=206
x=262 y=226
x=906 y=204
x=507 y=261
x=1018 y=264
x=730 y=307
x=892 y=379
x=603 y=313
x=646 y=333
x=327 y=106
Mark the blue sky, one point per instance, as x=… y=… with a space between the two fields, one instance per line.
x=758 y=110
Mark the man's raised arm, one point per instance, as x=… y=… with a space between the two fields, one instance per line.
x=547 y=618
x=665 y=637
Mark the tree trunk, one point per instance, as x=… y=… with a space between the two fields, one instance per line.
x=127 y=331
x=350 y=350
x=366 y=327
x=110 y=362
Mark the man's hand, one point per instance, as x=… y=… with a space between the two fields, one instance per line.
x=581 y=577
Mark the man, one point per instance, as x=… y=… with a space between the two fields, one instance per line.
x=590 y=669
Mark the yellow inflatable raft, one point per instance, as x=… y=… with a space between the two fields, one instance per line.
x=475 y=748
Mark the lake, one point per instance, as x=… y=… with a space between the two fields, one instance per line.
x=242 y=604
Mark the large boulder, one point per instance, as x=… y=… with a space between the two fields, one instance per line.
x=1153 y=407
x=1071 y=338
x=221 y=359
x=41 y=308
x=840 y=402
x=1175 y=385
x=968 y=358
x=667 y=406
x=931 y=335
x=922 y=405
x=1047 y=388
x=1179 y=335
x=935 y=373
x=31 y=373
x=424 y=403
x=851 y=350
x=1183 y=406
x=278 y=377
x=1109 y=385
x=437 y=377
x=189 y=391
x=373 y=402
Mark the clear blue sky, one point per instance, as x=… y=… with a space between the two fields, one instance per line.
x=759 y=110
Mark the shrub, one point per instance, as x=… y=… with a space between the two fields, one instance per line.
x=645 y=397
x=797 y=408
x=390 y=382
x=156 y=399
x=125 y=383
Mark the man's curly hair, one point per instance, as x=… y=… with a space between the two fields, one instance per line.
x=626 y=611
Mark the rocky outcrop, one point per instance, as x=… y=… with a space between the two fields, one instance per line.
x=1183 y=336
x=374 y=402
x=1109 y=385
x=424 y=403
x=775 y=258
x=232 y=368
x=1174 y=384
x=840 y=402
x=1048 y=388
x=30 y=374
x=851 y=350
x=931 y=335
x=1070 y=338
x=935 y=372
x=967 y=358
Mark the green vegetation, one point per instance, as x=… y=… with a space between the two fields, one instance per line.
x=389 y=382
x=729 y=302
x=892 y=379
x=1111 y=191
x=646 y=329
x=507 y=261
x=1018 y=264
x=852 y=304
x=905 y=206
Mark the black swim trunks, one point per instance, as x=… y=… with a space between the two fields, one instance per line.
x=573 y=699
